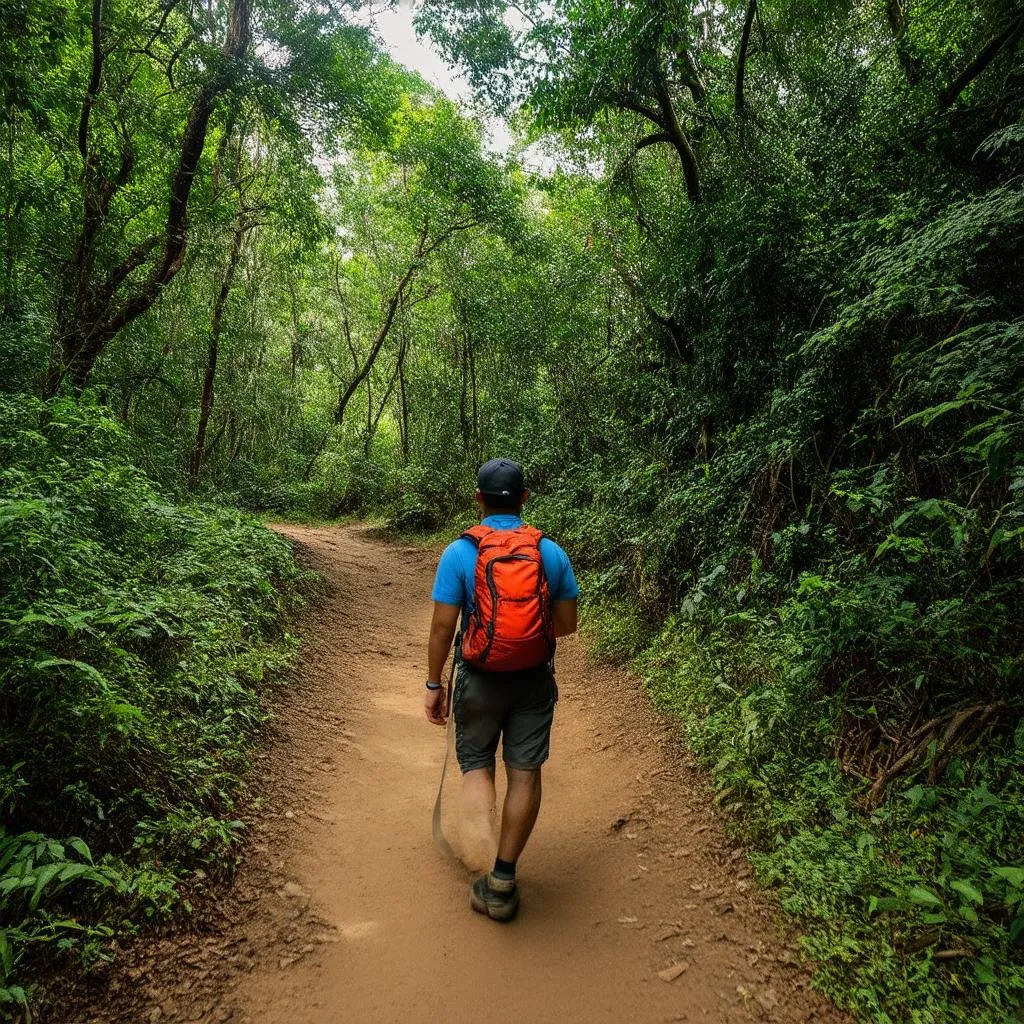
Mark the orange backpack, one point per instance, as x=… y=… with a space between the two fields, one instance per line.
x=511 y=627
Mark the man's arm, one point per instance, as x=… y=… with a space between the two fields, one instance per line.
x=566 y=617
x=442 y=632
x=565 y=591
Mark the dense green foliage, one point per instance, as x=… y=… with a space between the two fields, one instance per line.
x=139 y=636
x=754 y=320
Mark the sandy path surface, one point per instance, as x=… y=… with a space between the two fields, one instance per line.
x=636 y=907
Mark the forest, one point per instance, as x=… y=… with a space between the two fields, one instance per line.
x=746 y=298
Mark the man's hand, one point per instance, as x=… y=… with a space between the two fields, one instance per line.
x=434 y=705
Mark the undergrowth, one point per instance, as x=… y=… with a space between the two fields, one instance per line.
x=913 y=909
x=139 y=639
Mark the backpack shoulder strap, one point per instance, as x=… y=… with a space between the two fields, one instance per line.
x=476 y=534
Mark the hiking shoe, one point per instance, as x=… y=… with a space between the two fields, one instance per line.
x=498 y=898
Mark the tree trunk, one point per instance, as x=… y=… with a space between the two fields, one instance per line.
x=371 y=432
x=464 y=396
x=369 y=415
x=404 y=413
x=195 y=463
x=87 y=322
x=740 y=101
x=472 y=384
x=296 y=353
x=345 y=393
x=315 y=457
x=215 y=440
x=670 y=122
x=664 y=117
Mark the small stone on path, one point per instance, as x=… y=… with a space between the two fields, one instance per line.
x=674 y=971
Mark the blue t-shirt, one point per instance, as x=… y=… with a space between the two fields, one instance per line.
x=455 y=583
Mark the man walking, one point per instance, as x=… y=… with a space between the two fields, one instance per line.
x=515 y=592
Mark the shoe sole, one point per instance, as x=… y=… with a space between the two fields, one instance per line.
x=495 y=914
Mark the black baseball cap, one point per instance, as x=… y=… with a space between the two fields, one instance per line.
x=501 y=478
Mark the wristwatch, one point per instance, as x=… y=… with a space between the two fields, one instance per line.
x=433 y=686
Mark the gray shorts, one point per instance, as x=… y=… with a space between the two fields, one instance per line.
x=517 y=707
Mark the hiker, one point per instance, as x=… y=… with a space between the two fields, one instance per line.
x=515 y=593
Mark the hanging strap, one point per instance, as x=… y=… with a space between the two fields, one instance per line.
x=442 y=844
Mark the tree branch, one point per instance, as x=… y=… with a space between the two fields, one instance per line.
x=421 y=251
x=651 y=140
x=652 y=115
x=1009 y=36
x=138 y=255
x=378 y=342
x=167 y=8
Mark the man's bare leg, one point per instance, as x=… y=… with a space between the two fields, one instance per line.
x=477 y=820
x=495 y=894
x=518 y=816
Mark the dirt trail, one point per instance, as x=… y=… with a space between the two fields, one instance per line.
x=344 y=911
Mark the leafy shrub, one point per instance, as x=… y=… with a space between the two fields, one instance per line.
x=139 y=638
x=905 y=903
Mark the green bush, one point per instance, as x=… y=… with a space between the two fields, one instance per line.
x=139 y=638
x=915 y=908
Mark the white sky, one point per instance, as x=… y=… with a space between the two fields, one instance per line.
x=395 y=28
